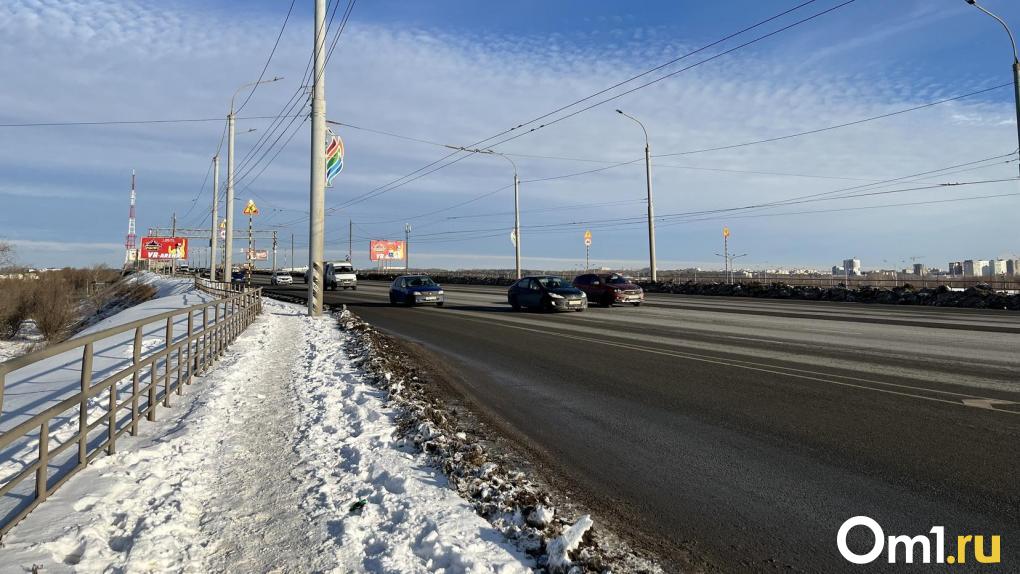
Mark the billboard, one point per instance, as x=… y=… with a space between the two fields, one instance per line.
x=385 y=250
x=256 y=254
x=164 y=248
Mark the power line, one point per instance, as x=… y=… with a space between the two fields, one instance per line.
x=417 y=174
x=270 y=58
x=126 y=122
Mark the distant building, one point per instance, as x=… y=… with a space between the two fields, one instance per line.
x=997 y=267
x=955 y=268
x=837 y=270
x=852 y=266
x=1013 y=267
x=975 y=267
x=920 y=269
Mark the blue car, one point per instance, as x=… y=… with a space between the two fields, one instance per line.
x=416 y=290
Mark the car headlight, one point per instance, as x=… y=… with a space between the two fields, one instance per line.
x=416 y=293
x=556 y=295
x=440 y=292
x=584 y=295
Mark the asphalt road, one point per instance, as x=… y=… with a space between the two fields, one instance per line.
x=746 y=431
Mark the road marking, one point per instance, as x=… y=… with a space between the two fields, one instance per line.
x=761 y=367
x=988 y=404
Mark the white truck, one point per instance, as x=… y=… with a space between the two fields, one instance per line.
x=338 y=275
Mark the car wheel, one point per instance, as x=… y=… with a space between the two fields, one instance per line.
x=638 y=304
x=514 y=304
x=439 y=304
x=409 y=301
x=607 y=300
x=547 y=304
x=393 y=300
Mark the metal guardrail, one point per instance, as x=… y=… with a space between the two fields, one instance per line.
x=166 y=369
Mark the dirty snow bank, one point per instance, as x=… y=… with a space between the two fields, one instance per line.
x=284 y=457
x=515 y=505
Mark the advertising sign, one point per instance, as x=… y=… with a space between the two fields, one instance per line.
x=257 y=254
x=164 y=248
x=385 y=250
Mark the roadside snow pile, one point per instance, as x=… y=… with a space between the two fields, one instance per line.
x=283 y=458
x=513 y=504
x=165 y=286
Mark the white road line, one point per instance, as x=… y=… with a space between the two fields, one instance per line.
x=772 y=369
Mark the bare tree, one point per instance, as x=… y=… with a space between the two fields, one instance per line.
x=6 y=253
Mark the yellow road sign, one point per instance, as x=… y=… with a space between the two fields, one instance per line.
x=251 y=209
x=725 y=231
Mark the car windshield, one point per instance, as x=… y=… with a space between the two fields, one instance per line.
x=616 y=279
x=420 y=282
x=553 y=283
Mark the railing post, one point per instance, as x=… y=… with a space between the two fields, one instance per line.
x=192 y=359
x=3 y=383
x=136 y=353
x=205 y=338
x=153 y=381
x=83 y=406
x=111 y=423
x=216 y=332
x=44 y=461
x=166 y=360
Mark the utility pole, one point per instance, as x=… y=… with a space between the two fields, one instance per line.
x=350 y=240
x=251 y=253
x=228 y=241
x=407 y=247
x=173 y=233
x=292 y=251
x=517 y=222
x=274 y=252
x=651 y=207
x=213 y=239
x=317 y=193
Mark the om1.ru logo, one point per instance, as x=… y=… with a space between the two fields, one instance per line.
x=911 y=545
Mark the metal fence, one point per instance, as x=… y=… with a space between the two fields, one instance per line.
x=123 y=398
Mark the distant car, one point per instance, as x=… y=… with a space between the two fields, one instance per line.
x=237 y=276
x=413 y=290
x=546 y=292
x=337 y=275
x=609 y=288
x=281 y=278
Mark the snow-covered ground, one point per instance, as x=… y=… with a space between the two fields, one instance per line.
x=283 y=458
x=32 y=389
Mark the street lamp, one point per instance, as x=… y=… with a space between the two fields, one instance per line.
x=228 y=244
x=517 y=203
x=651 y=209
x=1016 y=63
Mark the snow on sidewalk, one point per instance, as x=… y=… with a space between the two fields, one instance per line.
x=283 y=458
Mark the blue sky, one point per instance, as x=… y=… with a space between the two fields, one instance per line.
x=456 y=72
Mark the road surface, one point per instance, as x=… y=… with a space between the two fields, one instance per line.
x=745 y=432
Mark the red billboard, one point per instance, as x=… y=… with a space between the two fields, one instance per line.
x=165 y=248
x=385 y=250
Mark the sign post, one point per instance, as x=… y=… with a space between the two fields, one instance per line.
x=726 y=254
x=250 y=210
x=587 y=249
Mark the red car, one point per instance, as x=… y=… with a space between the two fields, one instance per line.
x=609 y=288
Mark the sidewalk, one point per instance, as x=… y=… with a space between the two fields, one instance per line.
x=281 y=459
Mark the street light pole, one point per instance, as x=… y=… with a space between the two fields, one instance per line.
x=213 y=238
x=407 y=247
x=517 y=203
x=317 y=193
x=651 y=207
x=1016 y=65
x=228 y=244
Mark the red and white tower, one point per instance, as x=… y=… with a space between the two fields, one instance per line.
x=131 y=243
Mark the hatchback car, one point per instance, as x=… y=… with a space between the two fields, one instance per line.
x=546 y=292
x=413 y=290
x=281 y=278
x=609 y=288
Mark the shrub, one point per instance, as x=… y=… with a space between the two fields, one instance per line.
x=15 y=304
x=54 y=307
